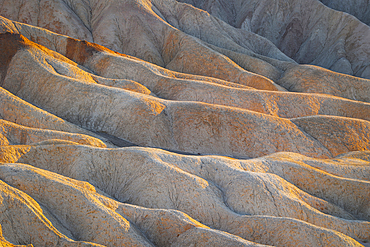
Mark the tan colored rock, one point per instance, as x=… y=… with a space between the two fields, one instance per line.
x=5 y=243
x=133 y=27
x=16 y=110
x=162 y=73
x=313 y=79
x=175 y=87
x=11 y=134
x=184 y=126
x=87 y=220
x=353 y=165
x=23 y=221
x=311 y=175
x=174 y=181
x=339 y=135
x=18 y=175
x=304 y=80
x=96 y=218
x=166 y=227
x=133 y=113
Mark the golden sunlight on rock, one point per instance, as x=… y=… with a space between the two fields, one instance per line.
x=184 y=123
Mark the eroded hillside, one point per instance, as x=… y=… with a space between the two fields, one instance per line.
x=183 y=123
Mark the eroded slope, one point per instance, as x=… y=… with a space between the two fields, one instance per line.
x=167 y=75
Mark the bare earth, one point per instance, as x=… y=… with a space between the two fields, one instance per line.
x=184 y=123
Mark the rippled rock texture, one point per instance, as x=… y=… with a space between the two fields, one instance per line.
x=184 y=123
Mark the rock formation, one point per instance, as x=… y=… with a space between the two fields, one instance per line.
x=307 y=31
x=250 y=121
x=359 y=9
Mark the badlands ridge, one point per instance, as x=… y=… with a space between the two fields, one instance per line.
x=184 y=123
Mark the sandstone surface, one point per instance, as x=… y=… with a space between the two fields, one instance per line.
x=248 y=121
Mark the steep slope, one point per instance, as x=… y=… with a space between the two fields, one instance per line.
x=118 y=19
x=306 y=31
x=261 y=150
x=165 y=34
x=183 y=126
x=359 y=9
